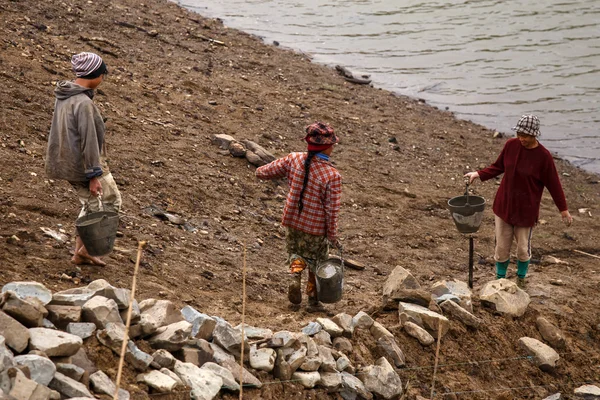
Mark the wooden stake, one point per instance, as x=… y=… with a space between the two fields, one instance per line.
x=243 y=315
x=437 y=353
x=587 y=254
x=128 y=322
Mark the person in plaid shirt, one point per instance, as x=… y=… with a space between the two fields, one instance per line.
x=311 y=209
x=528 y=167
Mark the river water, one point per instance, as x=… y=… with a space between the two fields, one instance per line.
x=488 y=61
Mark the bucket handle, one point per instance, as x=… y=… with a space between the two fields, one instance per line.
x=86 y=206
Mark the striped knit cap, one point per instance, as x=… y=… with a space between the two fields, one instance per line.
x=85 y=63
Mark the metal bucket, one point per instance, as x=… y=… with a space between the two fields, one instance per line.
x=98 y=231
x=330 y=280
x=467 y=212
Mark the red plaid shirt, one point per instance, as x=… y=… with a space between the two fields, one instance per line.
x=322 y=196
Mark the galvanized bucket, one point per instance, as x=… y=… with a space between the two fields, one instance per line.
x=330 y=280
x=98 y=231
x=467 y=212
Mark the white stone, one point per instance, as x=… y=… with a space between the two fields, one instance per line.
x=252 y=332
x=377 y=331
x=307 y=379
x=204 y=383
x=330 y=327
x=588 y=392
x=429 y=320
x=345 y=322
x=158 y=381
x=330 y=381
x=229 y=338
x=163 y=312
x=171 y=337
x=505 y=297
x=418 y=333
x=362 y=320
x=69 y=387
x=544 y=356
x=102 y=384
x=460 y=313
x=42 y=369
x=54 y=343
x=352 y=387
x=100 y=311
x=29 y=289
x=202 y=325
x=173 y=376
x=82 y=329
x=456 y=288
x=381 y=380
x=72 y=297
x=105 y=289
x=262 y=359
x=399 y=280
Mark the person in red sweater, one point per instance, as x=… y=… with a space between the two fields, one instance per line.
x=312 y=207
x=528 y=167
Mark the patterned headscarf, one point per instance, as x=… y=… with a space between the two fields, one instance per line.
x=320 y=136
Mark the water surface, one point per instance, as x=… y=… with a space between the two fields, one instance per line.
x=487 y=61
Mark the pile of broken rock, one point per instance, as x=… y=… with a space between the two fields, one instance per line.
x=44 y=335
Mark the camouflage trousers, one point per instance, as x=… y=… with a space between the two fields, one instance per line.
x=306 y=250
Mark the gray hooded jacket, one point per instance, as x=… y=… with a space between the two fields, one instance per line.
x=76 y=135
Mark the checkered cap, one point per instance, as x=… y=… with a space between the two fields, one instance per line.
x=320 y=133
x=529 y=125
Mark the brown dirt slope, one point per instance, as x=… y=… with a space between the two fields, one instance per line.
x=163 y=76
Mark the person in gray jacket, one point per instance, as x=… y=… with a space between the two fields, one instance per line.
x=76 y=141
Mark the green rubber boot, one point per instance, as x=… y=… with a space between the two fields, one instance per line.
x=522 y=267
x=501 y=268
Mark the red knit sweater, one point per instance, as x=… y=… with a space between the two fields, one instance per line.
x=526 y=173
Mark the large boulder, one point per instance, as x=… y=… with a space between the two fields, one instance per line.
x=262 y=359
x=54 y=343
x=353 y=388
x=504 y=297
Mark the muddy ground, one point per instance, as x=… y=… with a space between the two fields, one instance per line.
x=169 y=90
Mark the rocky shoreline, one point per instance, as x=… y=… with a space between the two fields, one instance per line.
x=177 y=81
x=201 y=355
